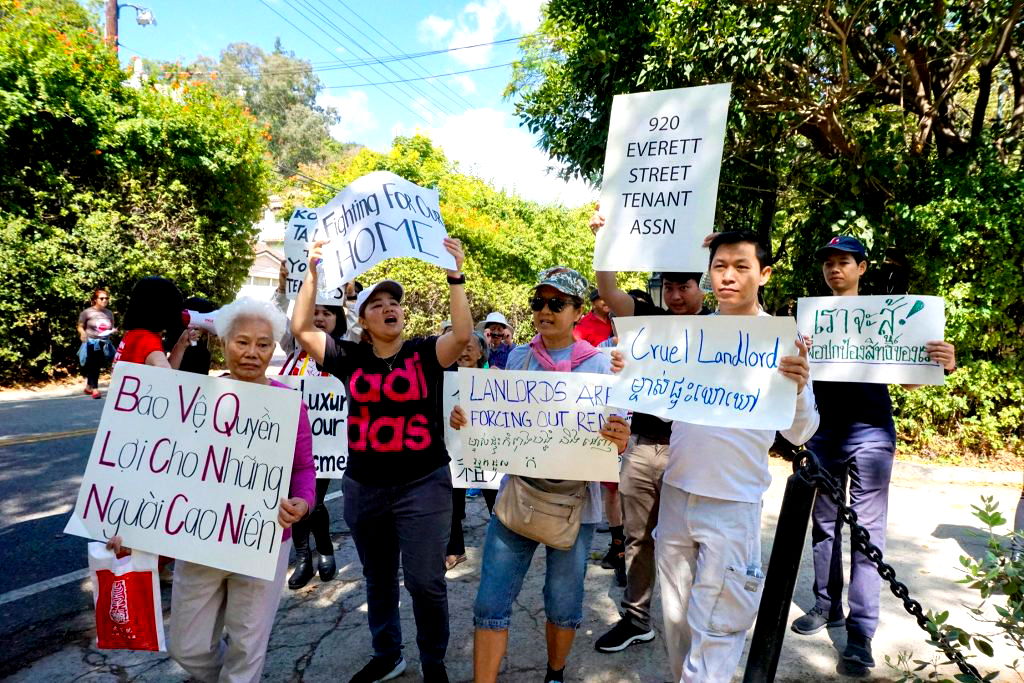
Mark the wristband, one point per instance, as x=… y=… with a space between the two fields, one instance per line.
x=460 y=280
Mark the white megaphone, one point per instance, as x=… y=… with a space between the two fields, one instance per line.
x=202 y=321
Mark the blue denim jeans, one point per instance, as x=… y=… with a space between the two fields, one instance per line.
x=507 y=557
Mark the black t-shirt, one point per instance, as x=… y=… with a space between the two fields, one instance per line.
x=643 y=424
x=395 y=430
x=854 y=412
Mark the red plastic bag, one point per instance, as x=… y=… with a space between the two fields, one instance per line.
x=126 y=594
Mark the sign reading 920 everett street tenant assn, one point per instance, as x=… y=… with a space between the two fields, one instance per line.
x=660 y=183
x=192 y=467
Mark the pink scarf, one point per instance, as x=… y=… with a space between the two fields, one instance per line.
x=581 y=350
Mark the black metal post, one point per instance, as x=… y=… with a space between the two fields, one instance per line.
x=783 y=569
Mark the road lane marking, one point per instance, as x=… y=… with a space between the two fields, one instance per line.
x=19 y=439
x=55 y=582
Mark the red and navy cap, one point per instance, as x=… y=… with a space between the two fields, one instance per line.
x=850 y=245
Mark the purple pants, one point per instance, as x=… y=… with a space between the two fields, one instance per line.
x=865 y=469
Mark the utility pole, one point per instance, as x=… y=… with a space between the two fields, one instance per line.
x=111 y=7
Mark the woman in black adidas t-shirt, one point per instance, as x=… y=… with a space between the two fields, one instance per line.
x=397 y=486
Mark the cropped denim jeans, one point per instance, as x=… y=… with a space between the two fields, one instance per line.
x=507 y=557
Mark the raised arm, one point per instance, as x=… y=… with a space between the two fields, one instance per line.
x=622 y=304
x=312 y=340
x=453 y=342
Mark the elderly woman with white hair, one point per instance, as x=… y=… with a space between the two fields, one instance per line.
x=220 y=620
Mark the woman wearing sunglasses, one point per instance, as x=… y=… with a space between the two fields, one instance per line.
x=557 y=305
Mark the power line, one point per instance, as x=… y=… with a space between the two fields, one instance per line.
x=421 y=78
x=331 y=52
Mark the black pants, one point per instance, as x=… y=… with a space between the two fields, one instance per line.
x=407 y=524
x=490 y=496
x=95 y=360
x=318 y=521
x=456 y=542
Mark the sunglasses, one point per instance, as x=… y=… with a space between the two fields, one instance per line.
x=555 y=304
x=103 y=298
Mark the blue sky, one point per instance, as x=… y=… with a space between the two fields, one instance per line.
x=464 y=114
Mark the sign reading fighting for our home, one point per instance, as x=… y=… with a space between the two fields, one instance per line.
x=538 y=424
x=327 y=407
x=302 y=231
x=660 y=182
x=716 y=370
x=878 y=339
x=380 y=216
x=465 y=475
x=190 y=466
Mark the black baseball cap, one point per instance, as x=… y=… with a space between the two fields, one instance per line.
x=850 y=245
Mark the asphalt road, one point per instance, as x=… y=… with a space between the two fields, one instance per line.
x=39 y=480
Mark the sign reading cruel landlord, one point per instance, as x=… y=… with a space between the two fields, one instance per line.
x=379 y=216
x=538 y=424
x=716 y=370
x=878 y=339
x=190 y=466
x=660 y=183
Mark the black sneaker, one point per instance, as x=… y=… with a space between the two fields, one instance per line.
x=814 y=621
x=379 y=669
x=622 y=635
x=435 y=673
x=553 y=676
x=858 y=650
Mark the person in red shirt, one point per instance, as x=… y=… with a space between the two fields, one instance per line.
x=596 y=326
x=154 y=307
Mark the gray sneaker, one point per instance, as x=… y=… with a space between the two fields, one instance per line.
x=814 y=621
x=858 y=650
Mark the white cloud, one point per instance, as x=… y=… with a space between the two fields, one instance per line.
x=467 y=84
x=433 y=29
x=481 y=22
x=354 y=109
x=487 y=143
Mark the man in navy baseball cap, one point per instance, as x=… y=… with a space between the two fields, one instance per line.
x=850 y=245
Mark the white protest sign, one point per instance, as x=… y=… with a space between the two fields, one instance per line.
x=327 y=407
x=538 y=424
x=877 y=339
x=716 y=370
x=190 y=466
x=464 y=474
x=304 y=229
x=380 y=216
x=660 y=183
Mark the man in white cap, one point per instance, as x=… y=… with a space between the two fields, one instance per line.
x=498 y=332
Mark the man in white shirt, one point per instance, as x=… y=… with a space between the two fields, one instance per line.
x=708 y=544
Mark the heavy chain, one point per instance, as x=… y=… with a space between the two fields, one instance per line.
x=807 y=467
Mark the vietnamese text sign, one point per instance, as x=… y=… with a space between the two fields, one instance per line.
x=878 y=339
x=327 y=407
x=660 y=181
x=380 y=216
x=304 y=229
x=538 y=424
x=465 y=475
x=717 y=370
x=191 y=467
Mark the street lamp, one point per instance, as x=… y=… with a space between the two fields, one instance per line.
x=654 y=287
x=143 y=17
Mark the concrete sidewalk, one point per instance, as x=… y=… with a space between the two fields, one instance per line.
x=321 y=633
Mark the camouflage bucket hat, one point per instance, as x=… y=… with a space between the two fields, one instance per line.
x=565 y=280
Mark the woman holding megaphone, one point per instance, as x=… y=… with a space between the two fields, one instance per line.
x=397 y=486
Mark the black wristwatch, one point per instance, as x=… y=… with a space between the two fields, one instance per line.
x=460 y=280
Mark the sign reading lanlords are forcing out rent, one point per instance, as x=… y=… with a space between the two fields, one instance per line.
x=878 y=339
x=192 y=467
x=716 y=370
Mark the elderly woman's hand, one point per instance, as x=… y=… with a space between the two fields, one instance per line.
x=616 y=430
x=116 y=545
x=458 y=418
x=291 y=510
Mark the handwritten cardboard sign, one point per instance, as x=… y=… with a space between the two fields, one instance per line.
x=304 y=229
x=191 y=467
x=327 y=406
x=717 y=370
x=538 y=424
x=660 y=182
x=876 y=339
x=465 y=475
x=380 y=216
